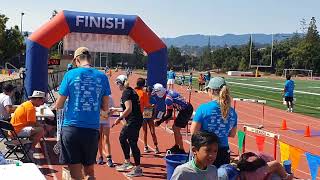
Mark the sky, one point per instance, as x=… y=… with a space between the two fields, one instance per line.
x=172 y=18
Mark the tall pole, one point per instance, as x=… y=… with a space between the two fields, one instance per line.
x=250 y=49
x=271 y=49
x=22 y=13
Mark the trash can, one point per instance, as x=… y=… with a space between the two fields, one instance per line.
x=174 y=160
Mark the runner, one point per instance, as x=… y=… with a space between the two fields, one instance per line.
x=217 y=116
x=171 y=77
x=174 y=100
x=104 y=147
x=129 y=134
x=288 y=93
x=148 y=118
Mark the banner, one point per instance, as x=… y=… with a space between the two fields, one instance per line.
x=241 y=136
x=284 y=151
x=313 y=162
x=295 y=154
x=99 y=42
x=260 y=142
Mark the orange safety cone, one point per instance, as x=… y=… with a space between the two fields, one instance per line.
x=307 y=133
x=284 y=125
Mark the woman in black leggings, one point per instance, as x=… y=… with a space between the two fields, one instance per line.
x=129 y=134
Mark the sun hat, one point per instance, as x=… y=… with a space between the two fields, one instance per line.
x=80 y=51
x=38 y=94
x=216 y=83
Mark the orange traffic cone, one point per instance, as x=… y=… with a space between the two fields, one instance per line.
x=284 y=125
x=307 y=133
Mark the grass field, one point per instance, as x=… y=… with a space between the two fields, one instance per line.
x=307 y=92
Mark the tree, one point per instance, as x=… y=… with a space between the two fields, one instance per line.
x=11 y=41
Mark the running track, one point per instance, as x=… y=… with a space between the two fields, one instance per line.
x=154 y=166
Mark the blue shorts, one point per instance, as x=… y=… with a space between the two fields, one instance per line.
x=79 y=145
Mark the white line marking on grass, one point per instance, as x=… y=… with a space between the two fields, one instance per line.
x=314 y=87
x=261 y=81
x=267 y=87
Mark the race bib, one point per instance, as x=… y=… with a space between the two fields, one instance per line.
x=147 y=113
x=160 y=115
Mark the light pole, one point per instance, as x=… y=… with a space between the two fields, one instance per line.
x=22 y=14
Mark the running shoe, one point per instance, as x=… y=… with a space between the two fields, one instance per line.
x=100 y=161
x=146 y=149
x=110 y=162
x=125 y=166
x=156 y=150
x=136 y=172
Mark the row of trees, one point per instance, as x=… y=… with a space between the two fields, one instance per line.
x=301 y=51
x=11 y=42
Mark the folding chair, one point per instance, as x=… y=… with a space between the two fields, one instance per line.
x=14 y=143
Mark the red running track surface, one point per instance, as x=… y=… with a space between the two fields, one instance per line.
x=154 y=165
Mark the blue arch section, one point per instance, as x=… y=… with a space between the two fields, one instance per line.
x=157 y=72
x=99 y=23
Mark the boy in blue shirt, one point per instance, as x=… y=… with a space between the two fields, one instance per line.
x=288 y=93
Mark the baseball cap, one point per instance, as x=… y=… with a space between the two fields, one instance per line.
x=216 y=83
x=79 y=51
x=159 y=90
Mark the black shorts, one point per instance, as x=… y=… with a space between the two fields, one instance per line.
x=223 y=157
x=184 y=117
x=287 y=98
x=79 y=145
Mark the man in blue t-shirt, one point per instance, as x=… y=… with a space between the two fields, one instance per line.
x=288 y=93
x=87 y=90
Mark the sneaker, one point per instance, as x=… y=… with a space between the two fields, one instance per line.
x=288 y=110
x=110 y=162
x=136 y=172
x=146 y=149
x=174 y=149
x=291 y=109
x=156 y=150
x=100 y=161
x=125 y=166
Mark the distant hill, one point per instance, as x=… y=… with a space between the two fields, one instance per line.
x=227 y=39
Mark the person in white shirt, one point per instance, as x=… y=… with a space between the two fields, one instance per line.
x=6 y=103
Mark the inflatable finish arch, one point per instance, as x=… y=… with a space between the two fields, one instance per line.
x=66 y=22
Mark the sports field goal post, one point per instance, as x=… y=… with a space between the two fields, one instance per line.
x=308 y=72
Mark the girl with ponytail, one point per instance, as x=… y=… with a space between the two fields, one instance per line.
x=218 y=117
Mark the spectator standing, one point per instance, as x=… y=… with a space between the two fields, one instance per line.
x=288 y=93
x=6 y=107
x=87 y=90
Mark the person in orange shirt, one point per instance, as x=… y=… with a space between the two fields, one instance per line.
x=147 y=110
x=24 y=119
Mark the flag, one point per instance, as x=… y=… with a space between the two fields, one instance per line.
x=313 y=162
x=284 y=151
x=260 y=142
x=295 y=154
x=241 y=136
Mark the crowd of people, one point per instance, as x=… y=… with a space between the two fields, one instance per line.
x=85 y=96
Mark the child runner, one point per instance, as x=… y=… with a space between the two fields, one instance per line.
x=147 y=110
x=104 y=147
x=183 y=78
x=129 y=134
x=174 y=100
x=204 y=148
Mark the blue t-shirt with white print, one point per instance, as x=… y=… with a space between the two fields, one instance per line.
x=85 y=88
x=209 y=115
